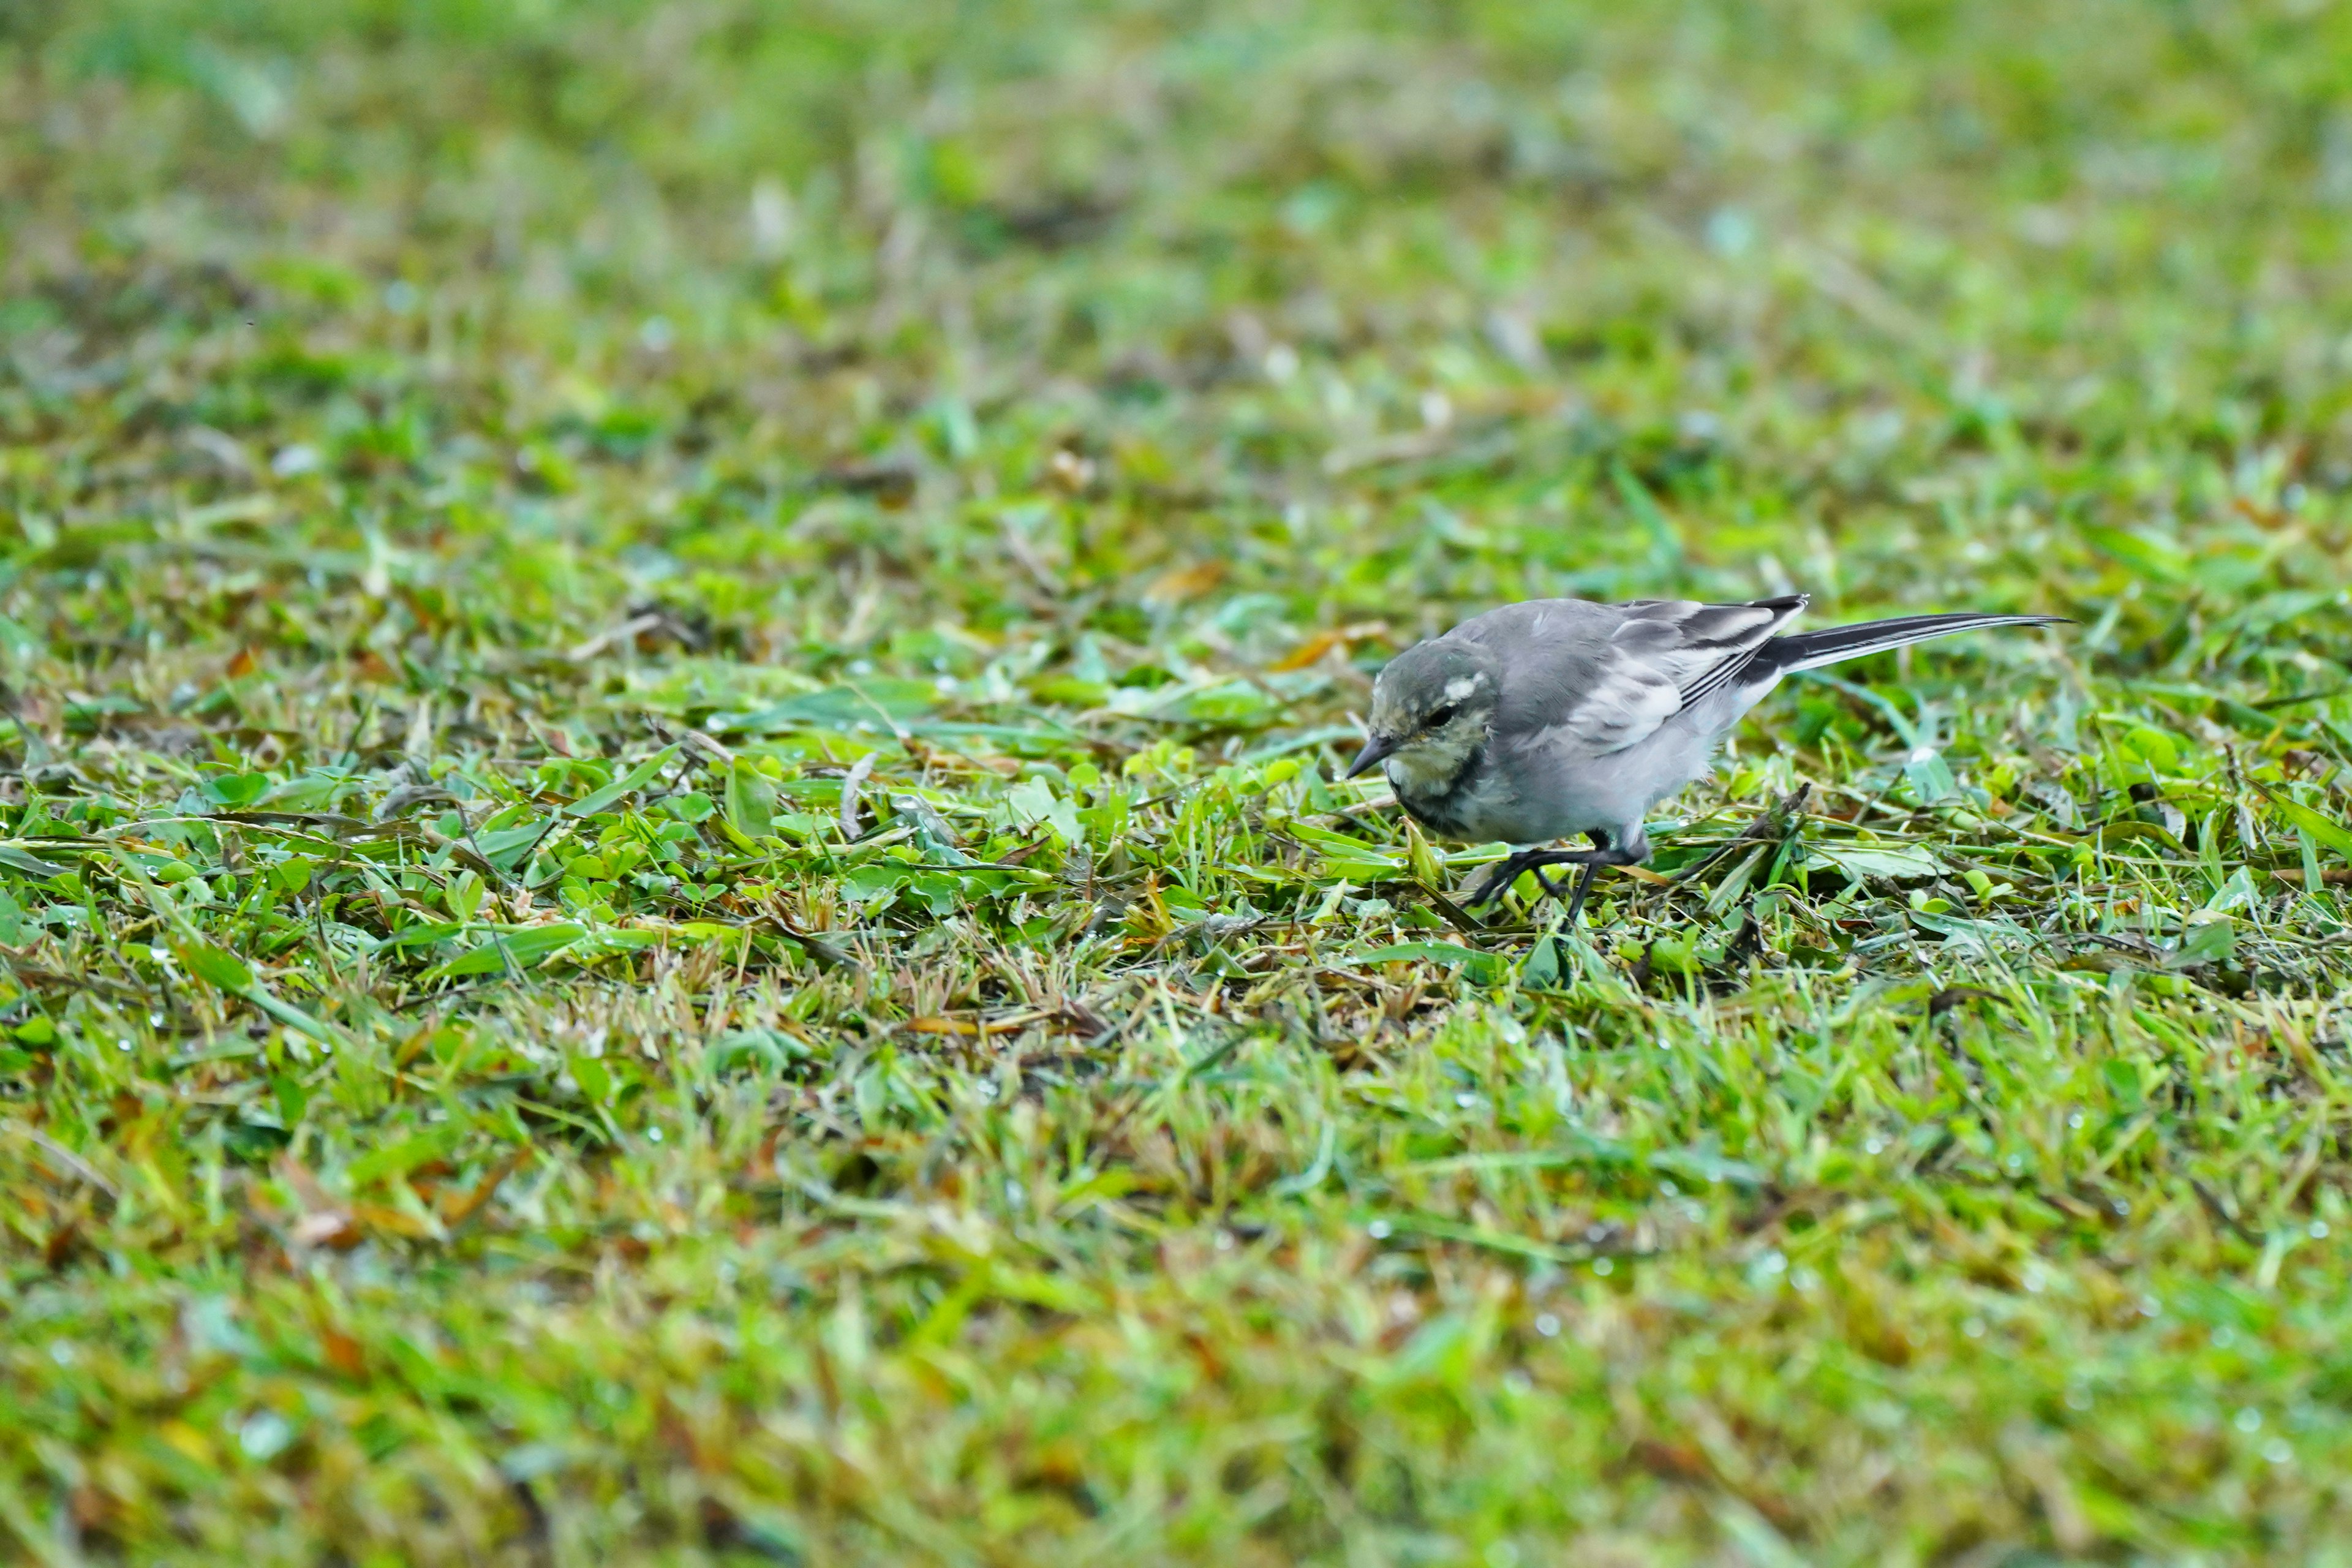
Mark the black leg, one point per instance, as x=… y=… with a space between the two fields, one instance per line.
x=1505 y=873
x=1583 y=886
x=1534 y=861
x=1509 y=871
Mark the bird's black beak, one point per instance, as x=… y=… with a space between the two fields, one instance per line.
x=1376 y=748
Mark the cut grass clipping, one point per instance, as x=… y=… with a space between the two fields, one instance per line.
x=673 y=888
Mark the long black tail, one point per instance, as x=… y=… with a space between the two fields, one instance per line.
x=1810 y=650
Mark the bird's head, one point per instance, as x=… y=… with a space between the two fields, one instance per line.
x=1430 y=707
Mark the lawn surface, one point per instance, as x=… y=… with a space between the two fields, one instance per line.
x=673 y=880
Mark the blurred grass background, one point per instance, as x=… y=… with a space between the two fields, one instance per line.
x=1857 y=278
x=415 y=415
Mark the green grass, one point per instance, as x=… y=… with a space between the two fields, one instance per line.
x=672 y=874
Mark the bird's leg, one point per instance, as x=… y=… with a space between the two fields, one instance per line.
x=1533 y=861
x=1583 y=886
x=1604 y=853
x=1505 y=873
x=1559 y=858
x=1509 y=871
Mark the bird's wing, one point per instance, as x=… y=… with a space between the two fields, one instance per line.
x=1600 y=678
x=1666 y=655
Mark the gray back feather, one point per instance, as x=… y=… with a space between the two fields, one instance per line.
x=1613 y=673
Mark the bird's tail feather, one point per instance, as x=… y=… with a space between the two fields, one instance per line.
x=1833 y=645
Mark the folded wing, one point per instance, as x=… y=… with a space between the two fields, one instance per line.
x=1602 y=678
x=1666 y=655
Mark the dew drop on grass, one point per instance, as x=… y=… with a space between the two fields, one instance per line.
x=2250 y=1419
x=1547 y=1324
x=1378 y=1231
x=265 y=1434
x=2319 y=1230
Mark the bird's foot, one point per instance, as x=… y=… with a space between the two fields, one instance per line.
x=1534 y=862
x=1509 y=870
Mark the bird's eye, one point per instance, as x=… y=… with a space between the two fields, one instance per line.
x=1443 y=716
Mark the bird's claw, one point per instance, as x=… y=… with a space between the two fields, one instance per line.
x=1532 y=862
x=1526 y=862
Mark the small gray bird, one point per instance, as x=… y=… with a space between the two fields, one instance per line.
x=1556 y=717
